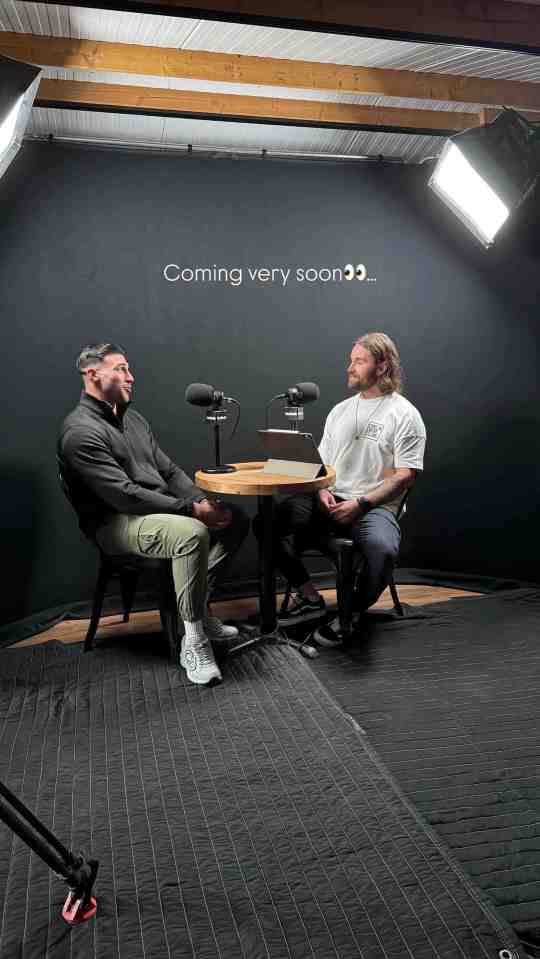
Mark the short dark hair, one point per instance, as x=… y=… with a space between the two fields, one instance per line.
x=96 y=353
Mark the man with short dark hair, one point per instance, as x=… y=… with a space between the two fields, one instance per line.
x=132 y=499
x=375 y=441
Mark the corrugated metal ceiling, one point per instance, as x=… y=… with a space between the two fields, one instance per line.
x=41 y=19
x=232 y=137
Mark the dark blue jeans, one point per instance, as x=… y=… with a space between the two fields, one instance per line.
x=300 y=524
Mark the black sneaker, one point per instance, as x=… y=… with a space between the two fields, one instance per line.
x=328 y=635
x=302 y=610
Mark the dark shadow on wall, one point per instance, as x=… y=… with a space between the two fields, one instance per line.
x=501 y=533
x=18 y=521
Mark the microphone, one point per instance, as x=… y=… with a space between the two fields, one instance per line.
x=202 y=394
x=297 y=396
x=302 y=393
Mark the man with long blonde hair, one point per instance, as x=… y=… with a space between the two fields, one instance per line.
x=375 y=441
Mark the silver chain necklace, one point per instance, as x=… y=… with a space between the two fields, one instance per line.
x=357 y=435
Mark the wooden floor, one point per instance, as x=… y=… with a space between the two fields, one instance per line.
x=74 y=631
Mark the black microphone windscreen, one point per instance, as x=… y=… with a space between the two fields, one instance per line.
x=309 y=392
x=200 y=394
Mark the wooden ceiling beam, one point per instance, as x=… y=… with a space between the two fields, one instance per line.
x=490 y=23
x=164 y=102
x=266 y=71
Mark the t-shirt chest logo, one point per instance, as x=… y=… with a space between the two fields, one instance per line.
x=373 y=431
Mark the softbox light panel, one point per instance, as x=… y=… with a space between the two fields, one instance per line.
x=18 y=87
x=504 y=154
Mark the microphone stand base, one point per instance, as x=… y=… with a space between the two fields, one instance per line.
x=75 y=912
x=219 y=469
x=277 y=637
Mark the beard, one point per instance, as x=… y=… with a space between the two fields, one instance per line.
x=124 y=399
x=116 y=396
x=362 y=383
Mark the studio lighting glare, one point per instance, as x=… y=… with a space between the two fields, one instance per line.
x=461 y=187
x=7 y=129
x=18 y=87
x=485 y=173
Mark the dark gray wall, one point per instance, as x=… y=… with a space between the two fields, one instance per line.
x=84 y=239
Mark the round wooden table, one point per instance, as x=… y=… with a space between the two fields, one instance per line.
x=250 y=480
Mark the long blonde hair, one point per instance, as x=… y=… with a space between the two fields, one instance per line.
x=384 y=350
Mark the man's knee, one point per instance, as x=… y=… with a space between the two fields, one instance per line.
x=191 y=534
x=295 y=515
x=380 y=549
x=167 y=536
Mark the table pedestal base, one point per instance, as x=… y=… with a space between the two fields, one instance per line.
x=250 y=479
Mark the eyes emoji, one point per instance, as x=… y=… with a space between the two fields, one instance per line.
x=350 y=272
x=361 y=272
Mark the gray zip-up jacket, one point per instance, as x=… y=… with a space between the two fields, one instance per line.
x=112 y=464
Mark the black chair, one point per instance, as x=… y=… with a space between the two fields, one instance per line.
x=344 y=552
x=127 y=569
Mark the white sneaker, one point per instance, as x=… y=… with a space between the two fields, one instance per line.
x=215 y=629
x=197 y=658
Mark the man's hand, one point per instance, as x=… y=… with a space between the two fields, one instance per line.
x=346 y=512
x=327 y=500
x=213 y=515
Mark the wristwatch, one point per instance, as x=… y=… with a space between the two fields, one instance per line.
x=364 y=503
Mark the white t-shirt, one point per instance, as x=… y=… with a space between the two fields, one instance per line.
x=391 y=435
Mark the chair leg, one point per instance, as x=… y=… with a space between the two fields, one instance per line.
x=344 y=588
x=395 y=598
x=101 y=585
x=128 y=586
x=285 y=604
x=168 y=609
x=169 y=622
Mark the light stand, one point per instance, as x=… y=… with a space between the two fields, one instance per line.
x=78 y=872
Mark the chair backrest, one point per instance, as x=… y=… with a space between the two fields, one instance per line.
x=64 y=486
x=401 y=506
x=63 y=482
